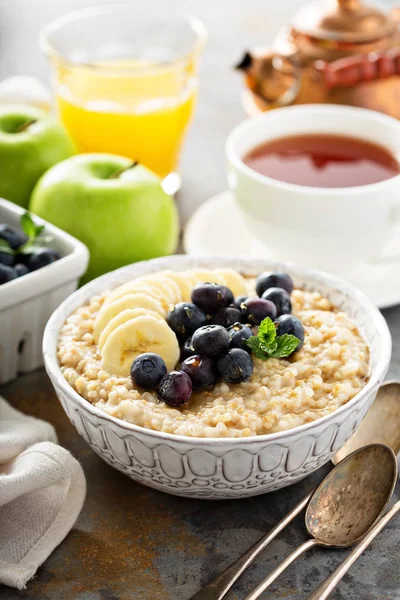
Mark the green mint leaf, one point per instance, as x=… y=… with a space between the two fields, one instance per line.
x=269 y=348
x=286 y=345
x=5 y=247
x=254 y=343
x=29 y=226
x=267 y=333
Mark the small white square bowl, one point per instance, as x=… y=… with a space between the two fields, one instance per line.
x=26 y=303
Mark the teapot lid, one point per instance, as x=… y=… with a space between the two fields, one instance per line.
x=343 y=21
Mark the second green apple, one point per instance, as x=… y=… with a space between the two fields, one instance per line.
x=31 y=142
x=118 y=209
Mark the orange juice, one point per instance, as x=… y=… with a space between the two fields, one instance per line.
x=128 y=108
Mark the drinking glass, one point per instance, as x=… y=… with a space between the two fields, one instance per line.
x=126 y=82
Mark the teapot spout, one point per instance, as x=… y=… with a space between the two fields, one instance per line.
x=273 y=78
x=245 y=63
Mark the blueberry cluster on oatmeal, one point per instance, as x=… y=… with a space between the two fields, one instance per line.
x=211 y=353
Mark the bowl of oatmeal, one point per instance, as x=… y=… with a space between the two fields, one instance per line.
x=281 y=418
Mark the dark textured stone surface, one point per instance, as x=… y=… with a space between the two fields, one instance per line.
x=130 y=542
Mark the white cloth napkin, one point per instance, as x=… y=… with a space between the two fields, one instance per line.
x=42 y=490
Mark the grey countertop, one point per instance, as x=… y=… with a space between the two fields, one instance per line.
x=130 y=542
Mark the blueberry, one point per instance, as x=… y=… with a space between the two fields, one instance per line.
x=7 y=274
x=227 y=316
x=147 y=370
x=270 y=280
x=6 y=259
x=292 y=325
x=175 y=388
x=40 y=258
x=254 y=310
x=239 y=334
x=239 y=300
x=187 y=349
x=235 y=366
x=185 y=318
x=201 y=370
x=13 y=236
x=211 y=340
x=280 y=298
x=211 y=297
x=21 y=269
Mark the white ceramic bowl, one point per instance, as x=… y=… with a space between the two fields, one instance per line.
x=221 y=468
x=26 y=303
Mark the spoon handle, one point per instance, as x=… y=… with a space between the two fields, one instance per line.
x=217 y=589
x=324 y=590
x=281 y=567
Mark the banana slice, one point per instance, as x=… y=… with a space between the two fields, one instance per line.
x=234 y=281
x=109 y=311
x=206 y=276
x=123 y=317
x=192 y=280
x=143 y=334
x=135 y=287
x=168 y=288
x=184 y=283
x=229 y=277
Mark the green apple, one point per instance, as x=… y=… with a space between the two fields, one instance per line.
x=117 y=208
x=31 y=142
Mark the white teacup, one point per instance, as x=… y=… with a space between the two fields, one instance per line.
x=328 y=228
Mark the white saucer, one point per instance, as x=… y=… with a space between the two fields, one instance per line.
x=217 y=229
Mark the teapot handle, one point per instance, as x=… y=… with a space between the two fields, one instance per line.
x=349 y=71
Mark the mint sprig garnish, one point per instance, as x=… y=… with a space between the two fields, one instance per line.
x=34 y=232
x=29 y=227
x=266 y=344
x=35 y=237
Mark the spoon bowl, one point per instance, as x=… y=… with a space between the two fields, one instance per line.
x=352 y=496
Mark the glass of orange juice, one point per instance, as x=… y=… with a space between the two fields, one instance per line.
x=124 y=82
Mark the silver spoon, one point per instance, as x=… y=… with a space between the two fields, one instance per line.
x=386 y=409
x=382 y=424
x=345 y=505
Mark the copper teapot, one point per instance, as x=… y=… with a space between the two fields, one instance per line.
x=334 y=51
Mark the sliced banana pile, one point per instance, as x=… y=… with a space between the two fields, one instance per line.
x=138 y=335
x=132 y=319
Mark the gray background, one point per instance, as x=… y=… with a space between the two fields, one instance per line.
x=214 y=533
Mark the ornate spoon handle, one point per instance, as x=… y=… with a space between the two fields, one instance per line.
x=331 y=582
x=217 y=589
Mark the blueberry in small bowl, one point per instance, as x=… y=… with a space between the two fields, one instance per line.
x=25 y=248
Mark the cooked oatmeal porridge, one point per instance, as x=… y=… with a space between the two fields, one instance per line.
x=282 y=393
